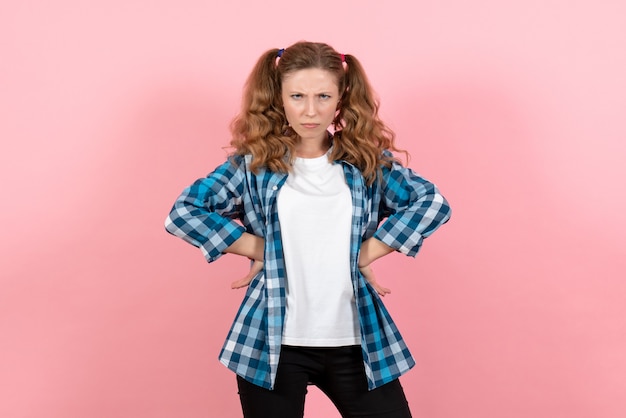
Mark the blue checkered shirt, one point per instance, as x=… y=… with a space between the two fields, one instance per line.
x=399 y=208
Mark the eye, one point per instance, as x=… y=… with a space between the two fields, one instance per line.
x=324 y=96
x=296 y=96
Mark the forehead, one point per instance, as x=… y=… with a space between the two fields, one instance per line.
x=310 y=79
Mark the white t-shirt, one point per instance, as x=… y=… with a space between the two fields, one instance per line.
x=315 y=211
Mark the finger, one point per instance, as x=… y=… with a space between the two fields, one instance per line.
x=255 y=268
x=238 y=284
x=382 y=291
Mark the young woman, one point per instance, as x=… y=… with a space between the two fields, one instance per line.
x=312 y=210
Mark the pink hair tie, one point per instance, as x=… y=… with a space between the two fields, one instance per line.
x=343 y=58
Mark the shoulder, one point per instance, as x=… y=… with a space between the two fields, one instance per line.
x=232 y=171
x=233 y=164
x=395 y=176
x=238 y=165
x=389 y=163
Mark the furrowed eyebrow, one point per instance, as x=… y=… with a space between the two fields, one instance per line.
x=299 y=92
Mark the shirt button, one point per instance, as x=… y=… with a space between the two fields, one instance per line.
x=274 y=187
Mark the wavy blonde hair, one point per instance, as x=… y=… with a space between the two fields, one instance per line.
x=261 y=127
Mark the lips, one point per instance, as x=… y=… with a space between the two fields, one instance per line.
x=310 y=125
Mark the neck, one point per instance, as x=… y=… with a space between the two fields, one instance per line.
x=308 y=148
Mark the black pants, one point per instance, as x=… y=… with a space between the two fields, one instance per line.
x=337 y=371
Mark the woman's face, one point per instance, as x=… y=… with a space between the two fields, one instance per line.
x=310 y=99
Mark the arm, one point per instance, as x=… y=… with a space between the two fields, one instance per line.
x=204 y=214
x=414 y=207
x=248 y=245
x=371 y=250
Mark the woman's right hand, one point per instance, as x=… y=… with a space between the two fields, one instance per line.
x=255 y=268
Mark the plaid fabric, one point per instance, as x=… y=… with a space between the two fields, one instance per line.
x=400 y=209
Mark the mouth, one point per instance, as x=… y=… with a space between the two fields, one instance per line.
x=310 y=125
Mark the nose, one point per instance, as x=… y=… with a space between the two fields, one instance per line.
x=310 y=107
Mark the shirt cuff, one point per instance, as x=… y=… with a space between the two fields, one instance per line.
x=221 y=239
x=399 y=236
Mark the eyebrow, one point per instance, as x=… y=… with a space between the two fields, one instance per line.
x=300 y=92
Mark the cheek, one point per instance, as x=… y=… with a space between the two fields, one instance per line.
x=331 y=112
x=289 y=111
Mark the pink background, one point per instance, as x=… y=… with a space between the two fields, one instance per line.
x=516 y=109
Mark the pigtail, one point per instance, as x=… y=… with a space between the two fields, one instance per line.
x=358 y=90
x=361 y=136
x=259 y=127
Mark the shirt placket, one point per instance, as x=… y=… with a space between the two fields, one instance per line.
x=274 y=280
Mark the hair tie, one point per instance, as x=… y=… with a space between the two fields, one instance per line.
x=343 y=57
x=280 y=52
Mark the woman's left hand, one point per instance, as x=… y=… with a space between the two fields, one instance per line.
x=369 y=275
x=372 y=249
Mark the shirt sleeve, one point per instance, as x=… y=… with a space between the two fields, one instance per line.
x=204 y=214
x=414 y=206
